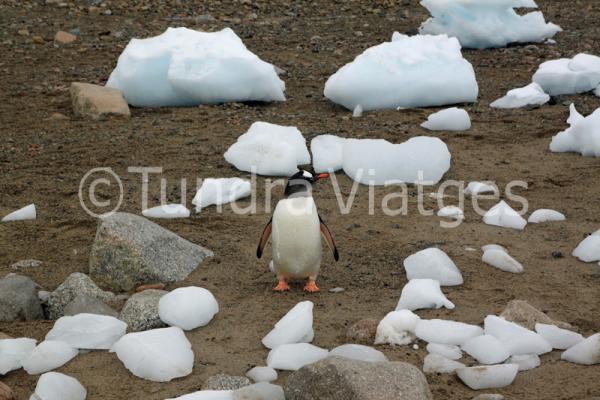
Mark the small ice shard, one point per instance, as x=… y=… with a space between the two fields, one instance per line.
x=292 y=357
x=358 y=352
x=188 y=307
x=158 y=355
x=589 y=248
x=269 y=149
x=423 y=293
x=446 y=332
x=207 y=395
x=586 y=352
x=474 y=188
x=433 y=263
x=499 y=258
x=489 y=376
x=48 y=355
x=57 y=386
x=582 y=136
x=436 y=363
x=446 y=350
x=221 y=191
x=295 y=327
x=525 y=361
x=25 y=213
x=88 y=331
x=517 y=339
x=486 y=349
x=167 y=211
x=13 y=352
x=327 y=153
x=450 y=119
x=528 y=96
x=262 y=374
x=503 y=215
x=545 y=215
x=557 y=337
x=453 y=212
x=397 y=327
x=493 y=247
x=358 y=111
x=569 y=75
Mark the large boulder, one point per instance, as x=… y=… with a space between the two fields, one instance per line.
x=93 y=101
x=19 y=299
x=524 y=314
x=86 y=304
x=76 y=284
x=130 y=250
x=337 y=378
x=140 y=313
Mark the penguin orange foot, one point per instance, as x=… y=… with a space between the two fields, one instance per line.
x=282 y=286
x=311 y=286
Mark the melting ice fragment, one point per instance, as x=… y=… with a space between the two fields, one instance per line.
x=503 y=215
x=489 y=376
x=557 y=337
x=327 y=153
x=397 y=327
x=48 y=355
x=221 y=191
x=446 y=332
x=423 y=293
x=583 y=135
x=292 y=357
x=188 y=307
x=436 y=363
x=528 y=96
x=167 y=211
x=433 y=263
x=358 y=352
x=25 y=213
x=88 y=331
x=586 y=352
x=569 y=75
x=450 y=119
x=295 y=327
x=499 y=258
x=13 y=352
x=545 y=215
x=486 y=349
x=57 y=386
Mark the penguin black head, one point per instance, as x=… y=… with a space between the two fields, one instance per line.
x=300 y=184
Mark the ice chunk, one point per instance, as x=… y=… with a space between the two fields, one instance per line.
x=557 y=337
x=528 y=96
x=525 y=361
x=446 y=332
x=433 y=263
x=446 y=350
x=358 y=352
x=423 y=293
x=517 y=339
x=295 y=327
x=544 y=215
x=292 y=357
x=158 y=355
x=409 y=71
x=583 y=135
x=188 y=307
x=221 y=191
x=586 y=352
x=48 y=355
x=57 y=386
x=436 y=363
x=487 y=24
x=88 y=331
x=499 y=258
x=22 y=214
x=486 y=349
x=262 y=374
x=397 y=327
x=589 y=248
x=207 y=395
x=269 y=149
x=489 y=376
x=167 y=211
x=13 y=352
x=453 y=212
x=450 y=119
x=475 y=188
x=358 y=111
x=327 y=153
x=420 y=159
x=569 y=76
x=183 y=67
x=503 y=215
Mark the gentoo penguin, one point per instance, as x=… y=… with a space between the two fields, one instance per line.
x=296 y=228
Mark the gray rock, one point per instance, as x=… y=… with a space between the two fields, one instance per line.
x=489 y=396
x=141 y=310
x=259 y=391
x=524 y=314
x=337 y=378
x=130 y=250
x=225 y=382
x=19 y=299
x=26 y=264
x=76 y=284
x=84 y=303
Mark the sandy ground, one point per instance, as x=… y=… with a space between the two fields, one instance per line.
x=42 y=161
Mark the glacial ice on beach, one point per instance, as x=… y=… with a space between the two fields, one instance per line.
x=262 y=374
x=397 y=328
x=433 y=263
x=295 y=327
x=586 y=352
x=25 y=213
x=158 y=355
x=582 y=136
x=57 y=386
x=292 y=357
x=499 y=258
x=167 y=211
x=327 y=153
x=188 y=307
x=486 y=349
x=13 y=352
x=358 y=352
x=589 y=248
x=525 y=361
x=207 y=395
x=409 y=71
x=569 y=75
x=452 y=212
x=423 y=293
x=475 y=188
x=503 y=215
x=449 y=351
x=557 y=337
x=184 y=67
x=88 y=331
x=269 y=149
x=489 y=376
x=545 y=215
x=528 y=96
x=437 y=363
x=221 y=191
x=423 y=160
x=446 y=332
x=48 y=355
x=450 y=119
x=487 y=24
x=517 y=339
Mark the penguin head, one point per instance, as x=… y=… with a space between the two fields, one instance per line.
x=300 y=184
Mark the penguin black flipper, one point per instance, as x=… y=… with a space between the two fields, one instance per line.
x=329 y=239
x=264 y=238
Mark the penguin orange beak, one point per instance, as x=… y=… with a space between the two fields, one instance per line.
x=321 y=176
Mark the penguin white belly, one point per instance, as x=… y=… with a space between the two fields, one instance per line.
x=296 y=238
